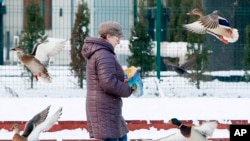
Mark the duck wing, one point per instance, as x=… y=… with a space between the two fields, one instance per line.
x=210 y=21
x=179 y=70
x=195 y=27
x=188 y=63
x=36 y=120
x=182 y=68
x=207 y=128
x=46 y=125
x=218 y=32
x=215 y=21
x=44 y=51
x=176 y=68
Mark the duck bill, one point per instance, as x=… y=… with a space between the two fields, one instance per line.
x=170 y=122
x=11 y=128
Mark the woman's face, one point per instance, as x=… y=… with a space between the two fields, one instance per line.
x=114 y=40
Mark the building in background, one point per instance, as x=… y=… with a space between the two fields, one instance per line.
x=60 y=16
x=111 y=10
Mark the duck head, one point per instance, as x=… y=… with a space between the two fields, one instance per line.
x=196 y=11
x=19 y=50
x=15 y=128
x=175 y=121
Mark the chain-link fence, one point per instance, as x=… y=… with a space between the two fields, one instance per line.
x=225 y=69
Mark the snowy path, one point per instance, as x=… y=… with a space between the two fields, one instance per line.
x=220 y=109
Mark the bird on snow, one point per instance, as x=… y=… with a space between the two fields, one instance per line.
x=36 y=125
x=191 y=133
x=38 y=61
x=213 y=24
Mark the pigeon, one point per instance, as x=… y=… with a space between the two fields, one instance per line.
x=36 y=125
x=38 y=61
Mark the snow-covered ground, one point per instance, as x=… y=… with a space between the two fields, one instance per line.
x=220 y=109
x=175 y=97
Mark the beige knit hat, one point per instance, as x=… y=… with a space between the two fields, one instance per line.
x=110 y=27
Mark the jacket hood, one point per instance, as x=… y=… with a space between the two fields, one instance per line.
x=91 y=45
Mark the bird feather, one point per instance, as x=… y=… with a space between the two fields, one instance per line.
x=36 y=120
x=46 y=50
x=195 y=27
x=46 y=125
x=207 y=128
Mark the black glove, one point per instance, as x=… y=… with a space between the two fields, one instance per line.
x=133 y=87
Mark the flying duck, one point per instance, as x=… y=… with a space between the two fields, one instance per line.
x=213 y=24
x=37 y=62
x=190 y=133
x=36 y=125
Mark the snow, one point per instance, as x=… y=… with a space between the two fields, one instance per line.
x=176 y=97
x=133 y=109
x=168 y=49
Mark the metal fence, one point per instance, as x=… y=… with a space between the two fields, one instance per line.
x=226 y=69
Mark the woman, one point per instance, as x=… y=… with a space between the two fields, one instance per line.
x=105 y=85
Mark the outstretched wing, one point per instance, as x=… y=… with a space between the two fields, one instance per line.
x=195 y=27
x=36 y=120
x=210 y=21
x=176 y=68
x=44 y=51
x=179 y=70
x=188 y=63
x=46 y=125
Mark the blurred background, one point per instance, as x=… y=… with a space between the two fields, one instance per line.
x=154 y=40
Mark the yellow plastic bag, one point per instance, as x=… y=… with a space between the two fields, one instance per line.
x=130 y=72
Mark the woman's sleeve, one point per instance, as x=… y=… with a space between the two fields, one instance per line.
x=106 y=69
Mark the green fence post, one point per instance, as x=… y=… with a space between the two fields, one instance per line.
x=2 y=12
x=158 y=38
x=135 y=12
x=43 y=8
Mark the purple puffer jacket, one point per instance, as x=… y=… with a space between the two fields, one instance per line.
x=105 y=87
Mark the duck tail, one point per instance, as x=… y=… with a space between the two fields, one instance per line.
x=235 y=36
x=209 y=127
